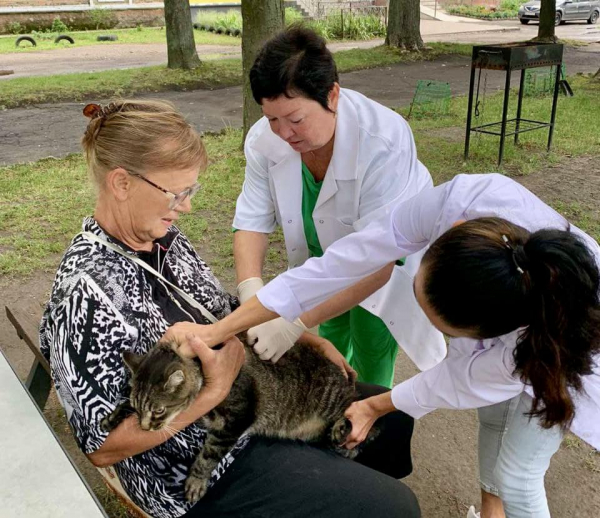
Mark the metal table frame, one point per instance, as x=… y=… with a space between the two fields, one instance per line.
x=499 y=57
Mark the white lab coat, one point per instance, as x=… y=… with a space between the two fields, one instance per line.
x=374 y=165
x=476 y=373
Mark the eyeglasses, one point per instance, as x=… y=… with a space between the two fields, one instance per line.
x=175 y=199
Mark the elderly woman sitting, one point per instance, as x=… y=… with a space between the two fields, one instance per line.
x=144 y=159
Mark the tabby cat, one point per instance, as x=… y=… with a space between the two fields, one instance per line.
x=302 y=396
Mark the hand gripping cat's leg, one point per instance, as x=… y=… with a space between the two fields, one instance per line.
x=340 y=430
x=337 y=435
x=215 y=447
x=111 y=421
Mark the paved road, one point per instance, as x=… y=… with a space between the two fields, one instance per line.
x=575 y=31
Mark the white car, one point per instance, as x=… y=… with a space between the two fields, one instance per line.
x=566 y=11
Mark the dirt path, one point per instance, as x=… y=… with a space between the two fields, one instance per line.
x=118 y=56
x=95 y=58
x=35 y=132
x=445 y=451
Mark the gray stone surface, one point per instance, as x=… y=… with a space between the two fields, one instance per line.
x=37 y=480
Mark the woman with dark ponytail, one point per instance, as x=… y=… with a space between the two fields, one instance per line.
x=543 y=284
x=516 y=289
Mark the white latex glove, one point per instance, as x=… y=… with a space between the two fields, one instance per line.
x=274 y=338
x=248 y=288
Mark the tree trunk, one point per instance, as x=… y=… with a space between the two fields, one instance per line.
x=546 y=29
x=261 y=19
x=403 y=30
x=181 y=47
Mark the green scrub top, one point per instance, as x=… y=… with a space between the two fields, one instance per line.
x=310 y=193
x=360 y=336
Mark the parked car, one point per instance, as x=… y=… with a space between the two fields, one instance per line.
x=566 y=11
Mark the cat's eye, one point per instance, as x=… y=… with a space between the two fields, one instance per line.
x=159 y=411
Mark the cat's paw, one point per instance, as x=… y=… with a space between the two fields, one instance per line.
x=340 y=431
x=346 y=453
x=107 y=424
x=195 y=488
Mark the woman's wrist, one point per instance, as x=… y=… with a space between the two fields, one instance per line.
x=209 y=397
x=309 y=338
x=250 y=314
x=220 y=332
x=381 y=404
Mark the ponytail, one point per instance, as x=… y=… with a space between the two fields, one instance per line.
x=563 y=333
x=493 y=277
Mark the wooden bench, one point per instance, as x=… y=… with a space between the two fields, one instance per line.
x=39 y=385
x=39 y=382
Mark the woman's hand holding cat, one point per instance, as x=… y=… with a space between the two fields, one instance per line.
x=220 y=367
x=363 y=414
x=180 y=332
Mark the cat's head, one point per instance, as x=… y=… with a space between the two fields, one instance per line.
x=162 y=384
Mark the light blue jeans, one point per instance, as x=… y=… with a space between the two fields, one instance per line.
x=514 y=455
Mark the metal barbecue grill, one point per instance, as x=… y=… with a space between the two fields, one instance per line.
x=509 y=57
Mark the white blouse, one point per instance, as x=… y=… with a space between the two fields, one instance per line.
x=475 y=373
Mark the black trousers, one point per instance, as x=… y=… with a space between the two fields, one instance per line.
x=274 y=478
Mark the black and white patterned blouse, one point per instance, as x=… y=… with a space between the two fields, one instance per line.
x=103 y=304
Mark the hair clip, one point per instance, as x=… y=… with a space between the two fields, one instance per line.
x=91 y=111
x=514 y=253
x=97 y=110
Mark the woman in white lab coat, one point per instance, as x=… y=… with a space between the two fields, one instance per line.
x=321 y=163
x=514 y=285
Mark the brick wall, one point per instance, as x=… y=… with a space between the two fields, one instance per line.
x=486 y=3
x=82 y=20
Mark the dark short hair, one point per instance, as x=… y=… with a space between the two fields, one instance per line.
x=295 y=61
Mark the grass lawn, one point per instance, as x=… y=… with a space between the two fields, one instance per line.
x=84 y=38
x=577 y=132
x=38 y=217
x=211 y=74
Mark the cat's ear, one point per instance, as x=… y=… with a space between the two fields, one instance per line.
x=175 y=379
x=132 y=360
